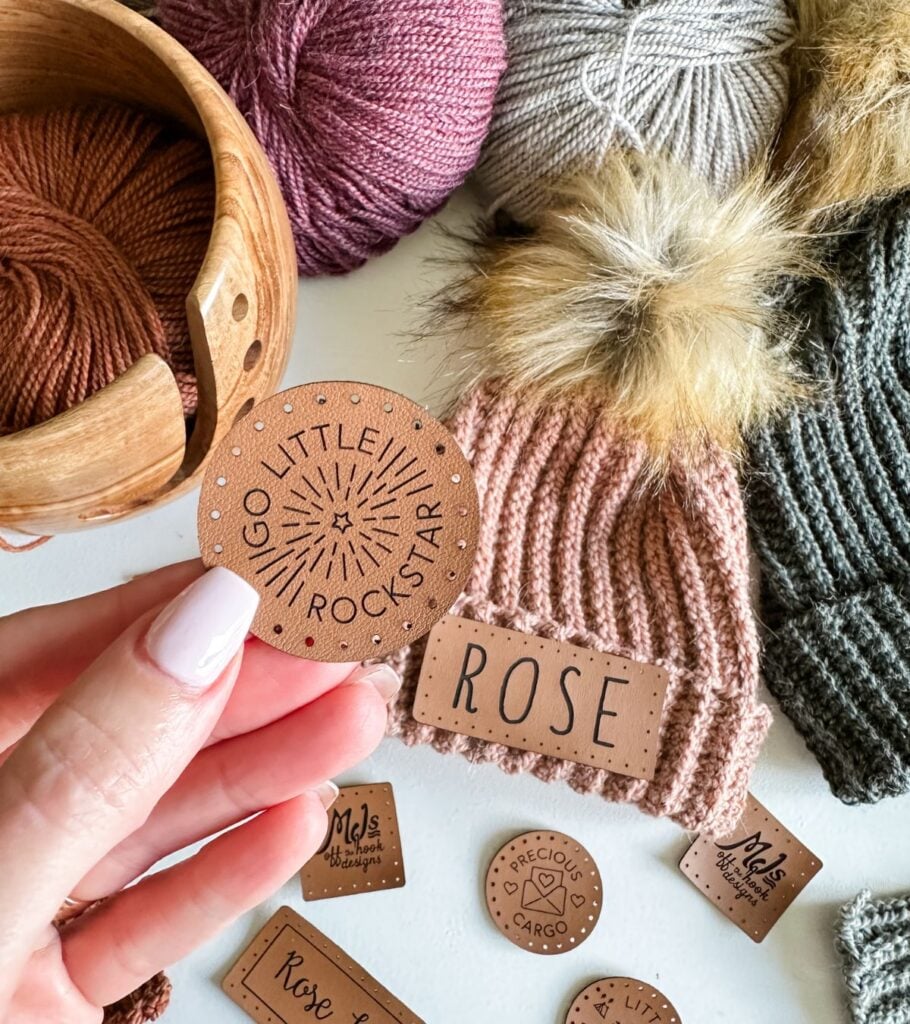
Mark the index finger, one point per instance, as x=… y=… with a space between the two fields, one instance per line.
x=46 y=648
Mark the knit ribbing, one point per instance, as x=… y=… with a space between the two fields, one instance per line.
x=575 y=546
x=830 y=511
x=873 y=938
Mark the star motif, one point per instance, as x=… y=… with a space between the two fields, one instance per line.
x=341 y=522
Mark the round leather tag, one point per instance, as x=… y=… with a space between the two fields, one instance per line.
x=350 y=509
x=544 y=892
x=621 y=1001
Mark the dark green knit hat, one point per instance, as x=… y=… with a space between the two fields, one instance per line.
x=829 y=505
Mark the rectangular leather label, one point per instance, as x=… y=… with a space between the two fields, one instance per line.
x=542 y=695
x=292 y=974
x=361 y=851
x=753 y=875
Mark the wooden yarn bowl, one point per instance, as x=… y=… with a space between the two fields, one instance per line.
x=125 y=449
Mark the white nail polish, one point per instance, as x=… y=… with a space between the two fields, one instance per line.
x=198 y=633
x=383 y=677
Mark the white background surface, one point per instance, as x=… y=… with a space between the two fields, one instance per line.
x=431 y=942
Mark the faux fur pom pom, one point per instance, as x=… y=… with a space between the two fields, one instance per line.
x=847 y=138
x=645 y=290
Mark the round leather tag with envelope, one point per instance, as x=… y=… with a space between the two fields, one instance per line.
x=621 y=1001
x=544 y=892
x=352 y=512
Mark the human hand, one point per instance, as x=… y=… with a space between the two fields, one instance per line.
x=128 y=731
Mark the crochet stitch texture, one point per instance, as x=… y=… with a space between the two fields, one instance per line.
x=576 y=546
x=829 y=505
x=873 y=938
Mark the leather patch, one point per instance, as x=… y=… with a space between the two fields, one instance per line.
x=361 y=851
x=542 y=695
x=352 y=512
x=753 y=875
x=621 y=1001
x=544 y=892
x=292 y=974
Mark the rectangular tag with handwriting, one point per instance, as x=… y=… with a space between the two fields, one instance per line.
x=753 y=875
x=542 y=695
x=292 y=974
x=361 y=851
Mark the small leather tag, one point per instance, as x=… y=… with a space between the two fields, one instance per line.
x=544 y=892
x=362 y=848
x=753 y=875
x=621 y=1001
x=542 y=695
x=292 y=974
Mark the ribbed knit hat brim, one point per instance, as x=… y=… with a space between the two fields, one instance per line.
x=829 y=507
x=873 y=938
x=577 y=545
x=709 y=741
x=841 y=672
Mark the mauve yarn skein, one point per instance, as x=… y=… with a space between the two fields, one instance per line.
x=371 y=111
x=703 y=81
x=105 y=216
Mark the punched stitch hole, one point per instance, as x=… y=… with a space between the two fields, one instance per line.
x=277 y=629
x=309 y=641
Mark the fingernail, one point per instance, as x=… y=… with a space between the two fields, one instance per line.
x=198 y=633
x=327 y=793
x=383 y=677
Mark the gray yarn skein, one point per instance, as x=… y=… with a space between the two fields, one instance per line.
x=704 y=81
x=873 y=938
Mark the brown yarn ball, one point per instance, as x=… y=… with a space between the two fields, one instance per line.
x=105 y=215
x=147 y=1003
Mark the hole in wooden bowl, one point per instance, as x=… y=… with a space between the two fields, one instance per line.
x=240 y=308
x=252 y=355
x=244 y=409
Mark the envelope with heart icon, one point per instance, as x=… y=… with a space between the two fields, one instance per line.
x=544 y=892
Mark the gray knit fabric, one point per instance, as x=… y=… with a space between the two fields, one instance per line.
x=873 y=938
x=829 y=507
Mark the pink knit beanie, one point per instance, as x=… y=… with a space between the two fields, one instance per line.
x=580 y=544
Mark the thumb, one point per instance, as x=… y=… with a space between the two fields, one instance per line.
x=98 y=760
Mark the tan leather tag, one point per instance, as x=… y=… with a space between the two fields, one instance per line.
x=361 y=851
x=621 y=1001
x=292 y=974
x=753 y=875
x=542 y=695
x=351 y=511
x=544 y=892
